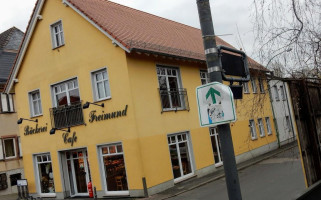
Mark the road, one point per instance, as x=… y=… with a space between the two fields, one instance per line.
x=279 y=177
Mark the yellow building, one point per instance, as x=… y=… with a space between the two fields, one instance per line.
x=144 y=70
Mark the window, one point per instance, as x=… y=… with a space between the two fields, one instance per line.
x=9 y=148
x=3 y=181
x=216 y=146
x=6 y=103
x=253 y=83
x=204 y=77
x=173 y=97
x=57 y=34
x=35 y=103
x=112 y=157
x=276 y=93
x=179 y=149
x=66 y=93
x=101 y=85
x=261 y=127
x=14 y=178
x=253 y=130
x=268 y=126
x=261 y=85
x=282 y=93
x=246 y=87
x=288 y=123
x=45 y=175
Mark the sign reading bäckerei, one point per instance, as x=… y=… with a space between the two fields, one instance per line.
x=38 y=129
x=215 y=104
x=93 y=116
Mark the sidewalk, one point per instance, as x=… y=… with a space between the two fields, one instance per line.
x=197 y=182
x=194 y=182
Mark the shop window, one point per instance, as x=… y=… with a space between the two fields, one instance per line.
x=3 y=181
x=101 y=85
x=57 y=34
x=6 y=103
x=45 y=175
x=9 y=148
x=114 y=168
x=253 y=130
x=268 y=126
x=14 y=178
x=204 y=77
x=35 y=103
x=179 y=148
x=173 y=96
x=216 y=146
x=261 y=127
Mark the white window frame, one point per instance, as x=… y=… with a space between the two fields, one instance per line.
x=207 y=78
x=31 y=105
x=254 y=86
x=60 y=33
x=213 y=133
x=252 y=129
x=116 y=193
x=261 y=85
x=246 y=88
x=276 y=93
x=179 y=85
x=65 y=82
x=283 y=97
x=36 y=168
x=95 y=82
x=268 y=125
x=6 y=103
x=261 y=127
x=14 y=148
x=189 y=146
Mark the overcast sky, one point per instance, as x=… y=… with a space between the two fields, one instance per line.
x=227 y=16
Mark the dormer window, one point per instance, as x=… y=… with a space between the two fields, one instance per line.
x=57 y=35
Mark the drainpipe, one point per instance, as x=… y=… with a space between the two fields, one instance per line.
x=274 y=116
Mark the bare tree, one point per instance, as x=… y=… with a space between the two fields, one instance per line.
x=288 y=34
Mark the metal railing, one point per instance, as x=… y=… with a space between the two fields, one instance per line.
x=67 y=115
x=174 y=99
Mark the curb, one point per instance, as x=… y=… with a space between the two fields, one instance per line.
x=223 y=175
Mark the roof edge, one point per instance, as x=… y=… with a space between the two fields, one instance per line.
x=24 y=45
x=121 y=44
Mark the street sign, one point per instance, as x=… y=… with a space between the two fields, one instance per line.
x=215 y=104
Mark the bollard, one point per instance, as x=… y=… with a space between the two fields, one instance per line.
x=95 y=193
x=145 y=187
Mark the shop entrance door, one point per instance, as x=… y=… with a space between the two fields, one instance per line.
x=78 y=172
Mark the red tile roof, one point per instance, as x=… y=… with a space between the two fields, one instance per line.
x=135 y=29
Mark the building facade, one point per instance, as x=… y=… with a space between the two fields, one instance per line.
x=114 y=95
x=283 y=110
x=11 y=166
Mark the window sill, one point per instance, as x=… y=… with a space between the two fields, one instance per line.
x=269 y=134
x=103 y=99
x=253 y=139
x=174 y=110
x=218 y=164
x=262 y=136
x=52 y=195
x=10 y=158
x=54 y=48
x=183 y=178
x=246 y=92
x=40 y=115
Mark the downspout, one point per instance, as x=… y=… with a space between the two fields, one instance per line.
x=274 y=118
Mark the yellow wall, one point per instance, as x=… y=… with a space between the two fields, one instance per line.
x=133 y=82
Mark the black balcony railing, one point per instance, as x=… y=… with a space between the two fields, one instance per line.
x=67 y=116
x=174 y=99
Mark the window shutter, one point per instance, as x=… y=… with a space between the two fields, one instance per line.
x=19 y=144
x=1 y=150
x=10 y=97
x=4 y=103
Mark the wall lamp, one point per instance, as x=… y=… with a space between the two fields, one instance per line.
x=86 y=105
x=21 y=119
x=53 y=130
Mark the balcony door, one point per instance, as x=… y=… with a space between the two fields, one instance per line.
x=66 y=93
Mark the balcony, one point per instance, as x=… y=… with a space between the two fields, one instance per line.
x=174 y=99
x=67 y=116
